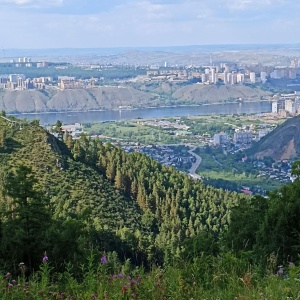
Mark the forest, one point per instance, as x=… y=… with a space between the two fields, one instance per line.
x=82 y=219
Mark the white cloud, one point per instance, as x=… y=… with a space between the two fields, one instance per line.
x=32 y=3
x=144 y=22
x=255 y=4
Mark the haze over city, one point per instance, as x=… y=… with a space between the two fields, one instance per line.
x=37 y=24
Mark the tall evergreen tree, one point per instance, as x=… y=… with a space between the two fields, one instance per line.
x=26 y=218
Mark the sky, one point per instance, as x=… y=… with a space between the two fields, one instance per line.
x=38 y=24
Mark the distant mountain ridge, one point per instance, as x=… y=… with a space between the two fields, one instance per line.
x=112 y=97
x=216 y=93
x=68 y=100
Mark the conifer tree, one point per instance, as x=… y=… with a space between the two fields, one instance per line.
x=26 y=219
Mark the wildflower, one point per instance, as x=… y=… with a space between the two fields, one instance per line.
x=9 y=285
x=131 y=283
x=124 y=289
x=291 y=264
x=103 y=260
x=13 y=281
x=280 y=270
x=139 y=279
x=7 y=275
x=45 y=259
x=121 y=275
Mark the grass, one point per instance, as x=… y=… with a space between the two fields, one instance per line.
x=225 y=278
x=132 y=132
x=242 y=179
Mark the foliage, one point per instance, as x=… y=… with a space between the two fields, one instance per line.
x=99 y=215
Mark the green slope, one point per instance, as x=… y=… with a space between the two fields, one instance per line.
x=128 y=201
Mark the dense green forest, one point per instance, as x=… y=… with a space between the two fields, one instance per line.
x=84 y=219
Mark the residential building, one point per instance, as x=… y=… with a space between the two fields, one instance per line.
x=242 y=137
x=220 y=139
x=252 y=77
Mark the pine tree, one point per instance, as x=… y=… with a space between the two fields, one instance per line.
x=26 y=219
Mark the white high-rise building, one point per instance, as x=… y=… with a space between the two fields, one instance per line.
x=19 y=83
x=240 y=78
x=275 y=107
x=213 y=76
x=229 y=78
x=290 y=106
x=252 y=77
x=13 y=78
x=233 y=78
x=225 y=77
x=263 y=77
x=227 y=68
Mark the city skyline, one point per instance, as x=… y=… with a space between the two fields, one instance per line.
x=40 y=24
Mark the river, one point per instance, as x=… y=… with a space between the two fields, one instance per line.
x=180 y=111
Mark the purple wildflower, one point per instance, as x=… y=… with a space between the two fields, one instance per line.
x=103 y=260
x=45 y=259
x=280 y=271
x=7 y=275
x=9 y=285
x=121 y=275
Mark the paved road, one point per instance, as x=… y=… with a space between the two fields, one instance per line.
x=196 y=164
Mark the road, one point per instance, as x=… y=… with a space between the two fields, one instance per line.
x=196 y=164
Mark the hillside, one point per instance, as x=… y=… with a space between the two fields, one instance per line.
x=76 y=100
x=89 y=221
x=111 y=97
x=281 y=143
x=130 y=197
x=199 y=93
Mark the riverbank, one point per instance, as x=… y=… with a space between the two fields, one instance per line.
x=162 y=112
